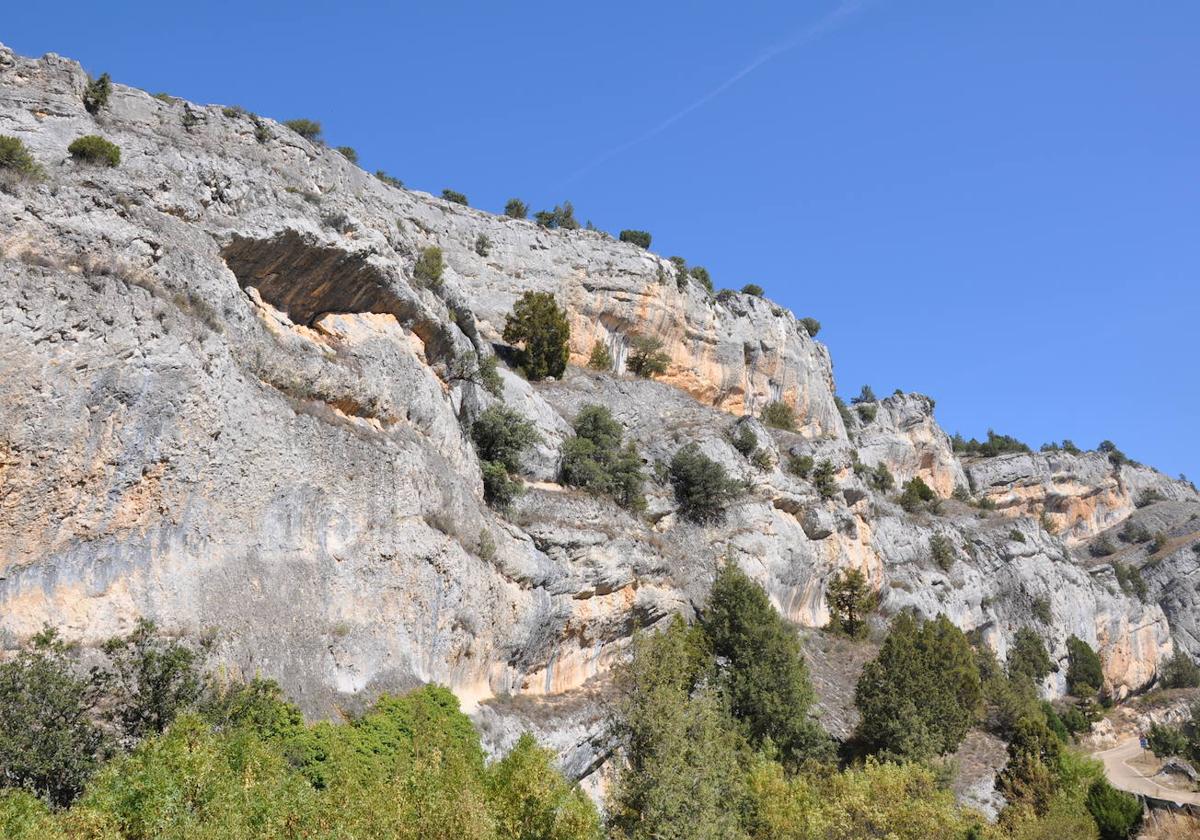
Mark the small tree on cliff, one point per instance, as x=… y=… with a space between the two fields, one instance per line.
x=542 y=328
x=1085 y=674
x=851 y=600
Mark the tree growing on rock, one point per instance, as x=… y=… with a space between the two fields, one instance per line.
x=850 y=600
x=646 y=357
x=1028 y=658
x=637 y=237
x=595 y=459
x=501 y=437
x=761 y=668
x=541 y=328
x=1085 y=673
x=702 y=487
x=601 y=357
x=922 y=693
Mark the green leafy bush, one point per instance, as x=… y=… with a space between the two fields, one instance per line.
x=701 y=276
x=516 y=209
x=429 y=266
x=537 y=323
x=501 y=436
x=1101 y=547
x=1117 y=814
x=824 y=480
x=595 y=459
x=96 y=93
x=1129 y=578
x=843 y=412
x=1041 y=610
x=1168 y=741
x=308 y=129
x=994 y=445
x=92 y=148
x=868 y=413
x=779 y=415
x=50 y=743
x=752 y=289
x=1180 y=671
x=388 y=179
x=1016 y=536
x=916 y=494
x=1134 y=532
x=483 y=245
x=920 y=695
x=702 y=487
x=1028 y=657
x=152 y=679
x=866 y=395
x=561 y=217
x=646 y=357
x=1115 y=456
x=881 y=478
x=1149 y=497
x=454 y=197
x=744 y=440
x=601 y=358
x=638 y=237
x=851 y=600
x=348 y=153
x=681 y=271
x=1085 y=675
x=811 y=326
x=800 y=465
x=15 y=157
x=761 y=668
x=941 y=549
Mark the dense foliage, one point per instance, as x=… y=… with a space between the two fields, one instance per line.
x=454 y=197
x=595 y=459
x=638 y=237
x=92 y=148
x=922 y=693
x=1085 y=675
x=851 y=600
x=96 y=93
x=516 y=209
x=646 y=357
x=702 y=487
x=601 y=357
x=779 y=415
x=308 y=129
x=15 y=157
x=501 y=436
x=429 y=267
x=541 y=327
x=994 y=445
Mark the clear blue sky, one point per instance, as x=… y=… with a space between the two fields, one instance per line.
x=995 y=203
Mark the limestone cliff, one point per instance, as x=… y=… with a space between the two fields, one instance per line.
x=226 y=404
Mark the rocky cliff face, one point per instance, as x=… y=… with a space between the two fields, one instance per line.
x=226 y=404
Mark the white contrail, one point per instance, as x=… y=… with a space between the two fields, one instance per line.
x=832 y=20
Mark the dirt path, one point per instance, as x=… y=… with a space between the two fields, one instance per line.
x=1128 y=778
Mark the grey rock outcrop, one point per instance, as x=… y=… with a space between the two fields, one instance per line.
x=227 y=404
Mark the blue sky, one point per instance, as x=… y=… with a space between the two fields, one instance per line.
x=995 y=203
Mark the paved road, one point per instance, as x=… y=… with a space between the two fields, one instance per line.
x=1128 y=778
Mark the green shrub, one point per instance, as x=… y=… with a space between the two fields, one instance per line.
x=701 y=275
x=1028 y=657
x=49 y=743
x=1101 y=547
x=681 y=271
x=1129 y=578
x=646 y=357
x=388 y=179
x=779 y=415
x=916 y=494
x=454 y=197
x=1069 y=447
x=994 y=445
x=501 y=436
x=1115 y=456
x=921 y=694
x=152 y=680
x=851 y=600
x=1134 y=532
x=866 y=395
x=702 y=487
x=1085 y=675
x=881 y=478
x=824 y=480
x=843 y=412
x=1168 y=741
x=531 y=799
x=537 y=322
x=94 y=149
x=15 y=157
x=471 y=368
x=800 y=465
x=233 y=112
x=308 y=129
x=348 y=153
x=595 y=459
x=868 y=413
x=1016 y=536
x=752 y=289
x=1160 y=542
x=1149 y=497
x=600 y=358
x=1180 y=671
x=96 y=93
x=1041 y=610
x=262 y=133
x=638 y=237
x=941 y=549
x=561 y=217
x=761 y=668
x=743 y=439
x=1117 y=814
x=429 y=266
x=811 y=326
x=483 y=245
x=516 y=209
x=761 y=459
